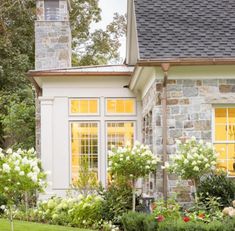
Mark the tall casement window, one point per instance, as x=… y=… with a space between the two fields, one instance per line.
x=97 y=124
x=84 y=145
x=224 y=138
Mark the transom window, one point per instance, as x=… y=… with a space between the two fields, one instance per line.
x=224 y=138
x=84 y=106
x=84 y=145
x=120 y=106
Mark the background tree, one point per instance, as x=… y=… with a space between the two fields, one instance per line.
x=17 y=57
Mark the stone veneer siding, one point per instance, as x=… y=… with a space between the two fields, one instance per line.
x=190 y=106
x=52 y=45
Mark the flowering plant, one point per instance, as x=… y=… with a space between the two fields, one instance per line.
x=132 y=163
x=20 y=172
x=193 y=159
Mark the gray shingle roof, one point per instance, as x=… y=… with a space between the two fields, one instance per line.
x=185 y=28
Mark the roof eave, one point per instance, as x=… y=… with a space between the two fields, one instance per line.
x=75 y=74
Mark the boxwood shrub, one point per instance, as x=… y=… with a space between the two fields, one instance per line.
x=134 y=221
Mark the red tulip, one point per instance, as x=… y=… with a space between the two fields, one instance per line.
x=186 y=219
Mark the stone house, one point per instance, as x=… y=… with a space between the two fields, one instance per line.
x=178 y=81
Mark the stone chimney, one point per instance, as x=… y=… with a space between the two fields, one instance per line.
x=52 y=35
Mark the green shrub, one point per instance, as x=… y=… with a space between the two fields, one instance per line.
x=217 y=185
x=83 y=212
x=134 y=221
x=117 y=201
x=228 y=224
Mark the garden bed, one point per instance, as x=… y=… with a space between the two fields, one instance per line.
x=25 y=226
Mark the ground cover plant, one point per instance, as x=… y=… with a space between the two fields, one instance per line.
x=28 y=226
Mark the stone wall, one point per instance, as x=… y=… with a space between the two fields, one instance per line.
x=190 y=106
x=52 y=45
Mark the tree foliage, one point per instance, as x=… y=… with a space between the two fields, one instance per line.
x=17 y=57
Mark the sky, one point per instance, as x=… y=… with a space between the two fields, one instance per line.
x=109 y=7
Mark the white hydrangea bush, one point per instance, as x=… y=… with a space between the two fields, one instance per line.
x=193 y=159
x=20 y=171
x=132 y=162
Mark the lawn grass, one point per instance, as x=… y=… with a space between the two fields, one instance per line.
x=29 y=226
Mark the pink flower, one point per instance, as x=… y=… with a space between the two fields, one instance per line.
x=160 y=218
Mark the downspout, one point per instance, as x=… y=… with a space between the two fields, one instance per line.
x=165 y=69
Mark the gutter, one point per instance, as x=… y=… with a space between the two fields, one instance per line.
x=187 y=61
x=165 y=68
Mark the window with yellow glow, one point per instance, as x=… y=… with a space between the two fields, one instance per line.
x=119 y=134
x=120 y=106
x=84 y=145
x=84 y=106
x=224 y=139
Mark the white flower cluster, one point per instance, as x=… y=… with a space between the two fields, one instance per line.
x=193 y=159
x=18 y=168
x=136 y=161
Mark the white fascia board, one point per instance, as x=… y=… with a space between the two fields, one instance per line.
x=135 y=78
x=132 y=49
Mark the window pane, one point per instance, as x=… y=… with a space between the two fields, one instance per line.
x=220 y=132
x=231 y=115
x=74 y=106
x=84 y=144
x=222 y=164
x=221 y=150
x=120 y=133
x=231 y=167
x=231 y=132
x=93 y=106
x=231 y=151
x=119 y=106
x=220 y=115
x=84 y=106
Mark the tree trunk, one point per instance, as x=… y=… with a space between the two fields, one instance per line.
x=11 y=219
x=195 y=183
x=26 y=205
x=133 y=195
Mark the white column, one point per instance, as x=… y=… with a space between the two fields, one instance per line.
x=46 y=142
x=61 y=152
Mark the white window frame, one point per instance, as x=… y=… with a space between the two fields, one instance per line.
x=120 y=114
x=70 y=146
x=85 y=114
x=227 y=106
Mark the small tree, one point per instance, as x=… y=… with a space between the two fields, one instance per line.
x=87 y=180
x=132 y=163
x=193 y=159
x=20 y=172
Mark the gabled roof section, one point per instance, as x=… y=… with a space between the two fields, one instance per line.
x=170 y=29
